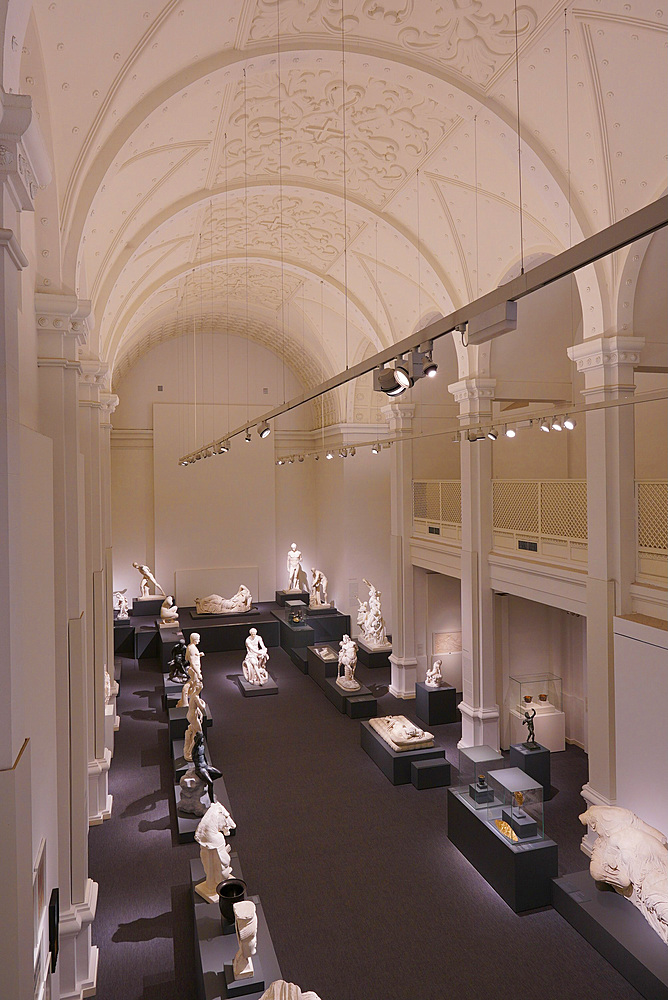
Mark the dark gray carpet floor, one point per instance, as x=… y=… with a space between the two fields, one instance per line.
x=365 y=897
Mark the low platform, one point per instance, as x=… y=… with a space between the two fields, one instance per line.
x=326 y=627
x=395 y=766
x=214 y=950
x=186 y=824
x=520 y=872
x=321 y=609
x=371 y=657
x=534 y=762
x=124 y=638
x=255 y=690
x=362 y=706
x=171 y=692
x=299 y=656
x=339 y=697
x=617 y=930
x=436 y=706
x=143 y=608
x=178 y=722
x=430 y=773
x=145 y=641
x=222 y=616
x=320 y=669
x=292 y=595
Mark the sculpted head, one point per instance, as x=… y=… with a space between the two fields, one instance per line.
x=294 y=546
x=253 y=633
x=194 y=637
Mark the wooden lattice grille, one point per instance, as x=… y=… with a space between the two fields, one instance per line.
x=563 y=509
x=653 y=515
x=516 y=506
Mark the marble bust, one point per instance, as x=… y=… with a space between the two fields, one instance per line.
x=147 y=581
x=213 y=850
x=434 y=675
x=214 y=604
x=245 y=924
x=255 y=662
x=293 y=566
x=632 y=857
x=347 y=664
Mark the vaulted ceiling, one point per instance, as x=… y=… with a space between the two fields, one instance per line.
x=340 y=167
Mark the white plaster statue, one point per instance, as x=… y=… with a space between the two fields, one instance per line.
x=400 y=733
x=110 y=688
x=318 y=598
x=294 y=565
x=362 y=612
x=434 y=675
x=196 y=710
x=373 y=623
x=347 y=661
x=214 y=604
x=631 y=856
x=245 y=924
x=256 y=659
x=169 y=613
x=213 y=850
x=192 y=789
x=120 y=603
x=280 y=990
x=195 y=682
x=147 y=581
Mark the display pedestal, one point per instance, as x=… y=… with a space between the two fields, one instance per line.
x=436 y=706
x=214 y=950
x=219 y=633
x=145 y=607
x=395 y=766
x=617 y=930
x=124 y=638
x=145 y=642
x=339 y=697
x=430 y=773
x=299 y=656
x=292 y=595
x=178 y=722
x=372 y=656
x=221 y=616
x=255 y=690
x=362 y=706
x=550 y=729
x=521 y=873
x=535 y=763
x=171 y=692
x=321 y=609
x=320 y=669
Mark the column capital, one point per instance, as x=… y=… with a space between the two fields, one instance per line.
x=399 y=415
x=109 y=401
x=17 y=170
x=62 y=325
x=92 y=377
x=607 y=364
x=475 y=397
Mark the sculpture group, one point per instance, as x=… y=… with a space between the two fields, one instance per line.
x=632 y=857
x=370 y=620
x=345 y=677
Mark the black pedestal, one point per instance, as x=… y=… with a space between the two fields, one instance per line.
x=521 y=873
x=430 y=773
x=519 y=821
x=144 y=609
x=320 y=669
x=535 y=763
x=255 y=690
x=146 y=642
x=172 y=691
x=124 y=638
x=373 y=657
x=617 y=930
x=395 y=766
x=339 y=697
x=363 y=706
x=292 y=595
x=293 y=635
x=321 y=609
x=299 y=656
x=436 y=706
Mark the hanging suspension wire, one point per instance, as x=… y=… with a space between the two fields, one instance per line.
x=519 y=141
x=345 y=177
x=246 y=231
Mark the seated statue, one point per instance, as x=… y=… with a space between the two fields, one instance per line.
x=169 y=613
x=207 y=772
x=400 y=734
x=632 y=857
x=214 y=604
x=256 y=659
x=434 y=675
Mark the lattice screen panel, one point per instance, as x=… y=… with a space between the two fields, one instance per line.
x=653 y=516
x=563 y=508
x=516 y=506
x=451 y=502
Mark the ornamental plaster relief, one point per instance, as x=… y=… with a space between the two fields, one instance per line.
x=472 y=37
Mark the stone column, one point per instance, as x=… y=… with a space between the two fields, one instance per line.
x=480 y=712
x=16 y=930
x=109 y=403
x=93 y=373
x=402 y=659
x=61 y=332
x=607 y=364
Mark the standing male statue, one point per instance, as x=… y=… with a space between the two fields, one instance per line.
x=294 y=565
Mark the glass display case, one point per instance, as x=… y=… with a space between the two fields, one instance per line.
x=539 y=691
x=296 y=612
x=515 y=809
x=475 y=763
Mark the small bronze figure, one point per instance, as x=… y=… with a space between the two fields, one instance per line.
x=207 y=772
x=530 y=742
x=178 y=670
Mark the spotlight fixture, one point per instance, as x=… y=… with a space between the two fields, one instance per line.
x=300 y=458
x=280 y=461
x=570 y=423
x=223 y=447
x=556 y=424
x=352 y=451
x=545 y=426
x=263 y=429
x=247 y=438
x=492 y=434
x=343 y=452
x=375 y=448
x=510 y=432
x=291 y=460
x=198 y=456
x=475 y=435
x=184 y=462
x=402 y=375
x=429 y=366
x=329 y=455
x=385 y=380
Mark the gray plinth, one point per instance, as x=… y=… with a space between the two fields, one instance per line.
x=519 y=821
x=143 y=609
x=339 y=697
x=395 y=766
x=436 y=706
x=362 y=706
x=292 y=595
x=617 y=930
x=299 y=656
x=535 y=762
x=256 y=690
x=172 y=692
x=430 y=773
x=320 y=669
x=371 y=657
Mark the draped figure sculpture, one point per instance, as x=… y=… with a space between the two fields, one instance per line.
x=214 y=604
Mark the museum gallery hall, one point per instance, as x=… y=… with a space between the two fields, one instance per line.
x=333 y=499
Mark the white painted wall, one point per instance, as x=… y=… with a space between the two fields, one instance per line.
x=641 y=697
x=444 y=614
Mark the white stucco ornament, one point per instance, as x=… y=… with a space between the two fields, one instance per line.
x=214 y=604
x=631 y=856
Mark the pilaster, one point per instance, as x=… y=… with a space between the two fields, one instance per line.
x=607 y=364
x=402 y=659
x=479 y=710
x=109 y=403
x=62 y=331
